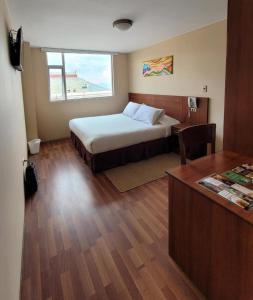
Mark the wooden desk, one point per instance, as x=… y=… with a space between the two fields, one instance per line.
x=210 y=238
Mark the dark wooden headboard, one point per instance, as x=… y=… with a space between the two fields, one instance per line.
x=175 y=106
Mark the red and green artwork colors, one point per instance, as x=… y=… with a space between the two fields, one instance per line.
x=158 y=67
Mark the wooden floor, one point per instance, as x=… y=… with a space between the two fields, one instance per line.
x=85 y=240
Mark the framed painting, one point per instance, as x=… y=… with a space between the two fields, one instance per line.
x=158 y=67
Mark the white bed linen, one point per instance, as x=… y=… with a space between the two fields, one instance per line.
x=104 y=133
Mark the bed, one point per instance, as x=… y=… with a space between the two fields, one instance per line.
x=112 y=140
x=109 y=141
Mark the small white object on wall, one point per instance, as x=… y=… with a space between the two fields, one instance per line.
x=205 y=88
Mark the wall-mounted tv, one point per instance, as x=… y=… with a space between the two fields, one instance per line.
x=15 y=46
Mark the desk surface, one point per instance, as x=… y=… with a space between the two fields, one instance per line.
x=215 y=163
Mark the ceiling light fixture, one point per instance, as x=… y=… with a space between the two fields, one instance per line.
x=123 y=24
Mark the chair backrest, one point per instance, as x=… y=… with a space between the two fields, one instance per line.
x=196 y=135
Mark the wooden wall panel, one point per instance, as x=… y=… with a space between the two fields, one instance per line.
x=175 y=106
x=238 y=125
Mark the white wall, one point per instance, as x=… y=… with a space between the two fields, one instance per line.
x=199 y=59
x=12 y=153
x=29 y=94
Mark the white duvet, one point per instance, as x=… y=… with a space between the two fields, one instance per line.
x=104 y=133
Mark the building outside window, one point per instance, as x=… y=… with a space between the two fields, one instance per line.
x=79 y=75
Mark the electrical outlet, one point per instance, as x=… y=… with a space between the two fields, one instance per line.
x=205 y=88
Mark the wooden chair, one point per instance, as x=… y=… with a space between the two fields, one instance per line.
x=196 y=136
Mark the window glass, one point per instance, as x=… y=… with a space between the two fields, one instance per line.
x=56 y=84
x=54 y=59
x=86 y=75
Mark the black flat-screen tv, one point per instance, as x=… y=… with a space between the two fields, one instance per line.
x=15 y=45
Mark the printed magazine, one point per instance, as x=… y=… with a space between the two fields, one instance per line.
x=233 y=185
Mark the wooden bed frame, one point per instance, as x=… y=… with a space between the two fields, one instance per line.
x=174 y=106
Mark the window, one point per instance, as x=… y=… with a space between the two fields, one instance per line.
x=79 y=75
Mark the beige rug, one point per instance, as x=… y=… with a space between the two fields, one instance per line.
x=132 y=175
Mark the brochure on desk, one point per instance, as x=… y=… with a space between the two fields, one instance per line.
x=234 y=185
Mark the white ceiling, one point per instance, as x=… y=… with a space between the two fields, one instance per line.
x=87 y=24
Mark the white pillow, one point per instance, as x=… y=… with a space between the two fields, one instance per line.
x=131 y=109
x=148 y=114
x=169 y=121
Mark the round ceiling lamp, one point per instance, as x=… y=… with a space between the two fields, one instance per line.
x=123 y=24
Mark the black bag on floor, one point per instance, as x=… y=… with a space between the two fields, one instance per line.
x=31 y=179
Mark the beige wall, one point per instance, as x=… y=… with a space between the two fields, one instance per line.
x=12 y=153
x=53 y=117
x=29 y=94
x=199 y=59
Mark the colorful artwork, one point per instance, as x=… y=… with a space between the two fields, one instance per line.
x=158 y=67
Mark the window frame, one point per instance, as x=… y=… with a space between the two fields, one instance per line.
x=64 y=85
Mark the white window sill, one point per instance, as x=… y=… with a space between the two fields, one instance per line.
x=88 y=96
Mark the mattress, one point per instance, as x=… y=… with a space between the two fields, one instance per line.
x=104 y=133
